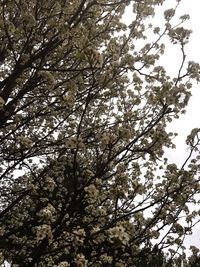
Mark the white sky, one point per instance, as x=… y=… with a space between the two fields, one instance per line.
x=192 y=117
x=172 y=61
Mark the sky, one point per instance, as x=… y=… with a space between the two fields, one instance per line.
x=192 y=117
x=171 y=61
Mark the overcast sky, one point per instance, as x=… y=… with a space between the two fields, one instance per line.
x=192 y=117
x=172 y=61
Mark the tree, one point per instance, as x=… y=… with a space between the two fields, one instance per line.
x=84 y=105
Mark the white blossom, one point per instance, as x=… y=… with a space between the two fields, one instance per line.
x=63 y=264
x=119 y=233
x=80 y=261
x=43 y=231
x=2 y=103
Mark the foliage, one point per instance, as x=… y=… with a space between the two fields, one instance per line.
x=84 y=105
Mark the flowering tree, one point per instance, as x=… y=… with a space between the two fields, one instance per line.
x=84 y=105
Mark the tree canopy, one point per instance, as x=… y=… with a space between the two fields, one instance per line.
x=84 y=106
